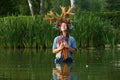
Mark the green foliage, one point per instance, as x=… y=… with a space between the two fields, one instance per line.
x=57 y=3
x=20 y=7
x=6 y=7
x=91 y=30
x=114 y=17
x=24 y=31
x=113 y=5
x=91 y=5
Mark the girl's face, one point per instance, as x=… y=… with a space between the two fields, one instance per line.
x=63 y=27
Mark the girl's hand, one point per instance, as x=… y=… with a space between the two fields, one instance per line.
x=61 y=46
x=66 y=44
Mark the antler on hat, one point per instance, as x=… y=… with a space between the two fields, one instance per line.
x=59 y=18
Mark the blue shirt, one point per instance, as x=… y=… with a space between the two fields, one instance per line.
x=71 y=43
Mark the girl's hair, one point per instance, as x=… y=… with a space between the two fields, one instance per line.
x=66 y=30
x=62 y=33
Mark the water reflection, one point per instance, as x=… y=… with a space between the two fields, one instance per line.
x=38 y=65
x=64 y=71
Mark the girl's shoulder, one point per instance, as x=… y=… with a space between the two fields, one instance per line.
x=71 y=37
x=57 y=37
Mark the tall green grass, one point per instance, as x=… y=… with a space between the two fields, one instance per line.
x=92 y=31
x=25 y=32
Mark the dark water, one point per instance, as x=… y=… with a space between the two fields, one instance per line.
x=39 y=65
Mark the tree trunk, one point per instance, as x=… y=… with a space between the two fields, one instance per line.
x=42 y=7
x=31 y=7
x=72 y=2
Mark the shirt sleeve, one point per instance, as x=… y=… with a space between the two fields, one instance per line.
x=74 y=43
x=55 y=43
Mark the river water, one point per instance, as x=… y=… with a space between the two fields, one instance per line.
x=32 y=64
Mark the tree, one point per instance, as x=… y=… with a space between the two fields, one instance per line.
x=31 y=7
x=72 y=2
x=113 y=5
x=91 y=5
x=6 y=7
x=42 y=7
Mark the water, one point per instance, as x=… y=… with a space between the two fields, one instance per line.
x=39 y=65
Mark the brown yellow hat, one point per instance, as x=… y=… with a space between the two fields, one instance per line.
x=63 y=17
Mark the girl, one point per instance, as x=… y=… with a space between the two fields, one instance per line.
x=64 y=45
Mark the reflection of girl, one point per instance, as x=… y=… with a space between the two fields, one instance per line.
x=64 y=45
x=64 y=72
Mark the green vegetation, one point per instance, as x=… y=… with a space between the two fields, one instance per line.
x=114 y=17
x=25 y=32
x=96 y=23
x=92 y=31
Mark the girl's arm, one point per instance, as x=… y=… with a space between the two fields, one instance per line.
x=58 y=49
x=70 y=48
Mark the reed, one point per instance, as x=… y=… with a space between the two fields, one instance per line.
x=25 y=32
x=92 y=31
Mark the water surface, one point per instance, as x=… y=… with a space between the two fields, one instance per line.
x=39 y=65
